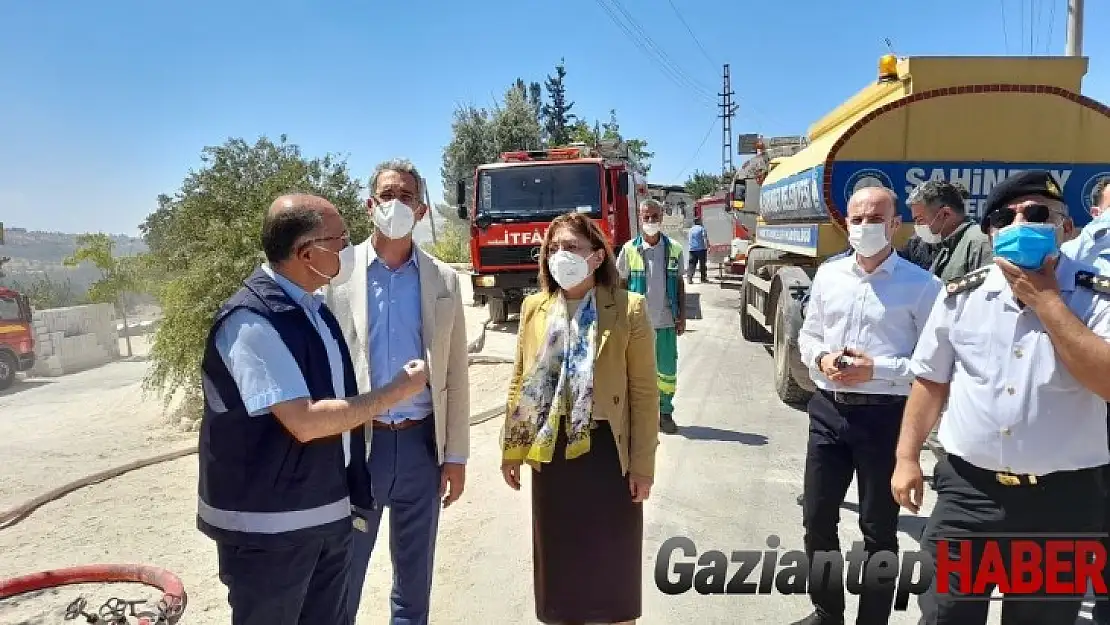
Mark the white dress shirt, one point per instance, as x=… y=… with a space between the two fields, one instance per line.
x=1092 y=246
x=1012 y=404
x=879 y=314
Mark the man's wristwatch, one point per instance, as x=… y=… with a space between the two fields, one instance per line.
x=820 y=357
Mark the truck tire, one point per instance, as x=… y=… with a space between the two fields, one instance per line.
x=750 y=329
x=788 y=389
x=8 y=367
x=498 y=310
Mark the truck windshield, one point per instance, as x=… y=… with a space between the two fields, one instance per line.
x=9 y=309
x=533 y=192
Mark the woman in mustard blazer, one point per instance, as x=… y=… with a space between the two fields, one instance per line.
x=583 y=412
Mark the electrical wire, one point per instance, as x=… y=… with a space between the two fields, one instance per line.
x=701 y=145
x=619 y=5
x=692 y=35
x=640 y=40
x=1005 y=37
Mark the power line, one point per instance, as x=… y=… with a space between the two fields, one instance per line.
x=651 y=43
x=1005 y=37
x=649 y=48
x=1051 y=22
x=700 y=146
x=692 y=35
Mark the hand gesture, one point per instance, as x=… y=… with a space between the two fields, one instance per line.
x=861 y=369
x=828 y=364
x=908 y=485
x=679 y=327
x=412 y=378
x=1032 y=287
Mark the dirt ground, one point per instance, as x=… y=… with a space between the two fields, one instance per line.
x=53 y=431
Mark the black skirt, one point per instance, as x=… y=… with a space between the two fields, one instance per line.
x=587 y=536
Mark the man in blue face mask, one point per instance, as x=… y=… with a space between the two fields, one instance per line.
x=1015 y=356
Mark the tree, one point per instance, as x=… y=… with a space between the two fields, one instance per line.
x=637 y=148
x=453 y=244
x=701 y=183
x=207 y=240
x=471 y=145
x=119 y=276
x=557 y=118
x=46 y=292
x=514 y=124
x=534 y=95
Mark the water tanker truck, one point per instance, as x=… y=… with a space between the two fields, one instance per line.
x=970 y=120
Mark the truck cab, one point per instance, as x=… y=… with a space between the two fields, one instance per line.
x=515 y=199
x=17 y=344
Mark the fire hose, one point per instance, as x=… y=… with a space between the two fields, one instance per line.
x=115 y=611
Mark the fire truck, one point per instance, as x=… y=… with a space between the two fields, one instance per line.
x=728 y=236
x=516 y=198
x=17 y=344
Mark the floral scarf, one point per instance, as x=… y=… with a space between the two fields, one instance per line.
x=560 y=384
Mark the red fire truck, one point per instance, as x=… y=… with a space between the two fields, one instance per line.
x=516 y=198
x=17 y=345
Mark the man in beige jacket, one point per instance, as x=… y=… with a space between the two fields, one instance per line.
x=400 y=304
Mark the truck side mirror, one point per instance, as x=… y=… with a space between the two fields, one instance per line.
x=464 y=214
x=623 y=182
x=460 y=193
x=26 y=313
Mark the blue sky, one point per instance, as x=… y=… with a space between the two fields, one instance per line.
x=106 y=104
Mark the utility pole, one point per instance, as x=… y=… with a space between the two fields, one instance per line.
x=728 y=110
x=1075 y=28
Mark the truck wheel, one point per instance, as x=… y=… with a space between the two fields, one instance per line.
x=8 y=366
x=498 y=310
x=750 y=329
x=789 y=391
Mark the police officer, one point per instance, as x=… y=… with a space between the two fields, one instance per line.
x=957 y=246
x=1018 y=351
x=273 y=492
x=1092 y=246
x=861 y=324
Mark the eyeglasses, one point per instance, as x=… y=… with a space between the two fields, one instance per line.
x=345 y=238
x=1033 y=213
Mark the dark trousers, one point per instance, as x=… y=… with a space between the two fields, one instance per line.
x=405 y=476
x=301 y=585
x=1102 y=605
x=970 y=499
x=847 y=440
x=697 y=257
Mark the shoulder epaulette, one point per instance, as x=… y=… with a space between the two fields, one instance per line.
x=968 y=282
x=1093 y=281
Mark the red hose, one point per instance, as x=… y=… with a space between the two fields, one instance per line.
x=173 y=591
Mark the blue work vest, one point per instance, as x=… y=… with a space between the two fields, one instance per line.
x=258 y=485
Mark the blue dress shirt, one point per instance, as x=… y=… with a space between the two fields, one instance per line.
x=262 y=366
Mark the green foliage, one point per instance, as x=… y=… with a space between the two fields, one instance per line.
x=118 y=275
x=452 y=245
x=205 y=239
x=514 y=124
x=471 y=145
x=556 y=116
x=47 y=292
x=701 y=183
x=637 y=148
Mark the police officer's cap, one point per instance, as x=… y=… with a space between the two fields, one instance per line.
x=1026 y=183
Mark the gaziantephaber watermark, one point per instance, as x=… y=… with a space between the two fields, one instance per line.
x=1033 y=567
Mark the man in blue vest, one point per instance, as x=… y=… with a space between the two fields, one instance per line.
x=651 y=265
x=277 y=487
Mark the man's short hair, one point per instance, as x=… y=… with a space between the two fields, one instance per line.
x=400 y=166
x=1100 y=190
x=651 y=204
x=935 y=193
x=284 y=230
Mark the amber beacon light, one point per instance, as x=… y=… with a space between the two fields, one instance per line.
x=888 y=68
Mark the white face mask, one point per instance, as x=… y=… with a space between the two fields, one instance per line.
x=926 y=234
x=346 y=265
x=867 y=239
x=568 y=269
x=650 y=229
x=394 y=219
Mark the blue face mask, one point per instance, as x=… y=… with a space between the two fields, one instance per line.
x=1026 y=245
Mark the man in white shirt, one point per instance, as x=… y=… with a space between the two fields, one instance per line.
x=864 y=315
x=1019 y=353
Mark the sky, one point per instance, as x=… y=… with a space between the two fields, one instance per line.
x=104 y=105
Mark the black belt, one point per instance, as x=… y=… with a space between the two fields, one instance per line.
x=862 y=399
x=1006 y=478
